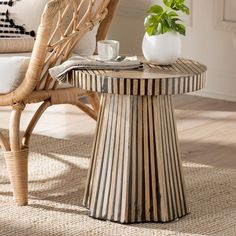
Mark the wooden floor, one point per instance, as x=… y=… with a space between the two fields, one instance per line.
x=207 y=127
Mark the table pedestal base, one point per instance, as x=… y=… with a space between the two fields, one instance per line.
x=135 y=174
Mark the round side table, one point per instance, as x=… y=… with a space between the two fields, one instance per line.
x=135 y=172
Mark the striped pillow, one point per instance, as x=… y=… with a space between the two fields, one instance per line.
x=20 y=18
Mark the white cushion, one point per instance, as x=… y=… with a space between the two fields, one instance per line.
x=13 y=67
x=27 y=13
x=87 y=44
x=12 y=72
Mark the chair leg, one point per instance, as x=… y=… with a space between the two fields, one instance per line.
x=95 y=101
x=17 y=159
x=93 y=114
x=42 y=108
x=17 y=166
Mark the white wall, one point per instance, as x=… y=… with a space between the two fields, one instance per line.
x=208 y=40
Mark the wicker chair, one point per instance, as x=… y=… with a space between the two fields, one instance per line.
x=53 y=45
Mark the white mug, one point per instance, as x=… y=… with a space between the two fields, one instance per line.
x=108 y=49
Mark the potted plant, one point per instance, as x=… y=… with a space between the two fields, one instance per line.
x=161 y=42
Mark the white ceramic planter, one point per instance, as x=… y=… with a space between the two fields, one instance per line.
x=163 y=49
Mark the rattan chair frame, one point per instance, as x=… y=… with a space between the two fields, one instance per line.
x=54 y=44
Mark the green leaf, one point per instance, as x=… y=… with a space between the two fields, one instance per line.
x=159 y=28
x=167 y=20
x=180 y=1
x=155 y=9
x=175 y=19
x=151 y=30
x=160 y=21
x=185 y=9
x=168 y=3
x=149 y=20
x=181 y=7
x=172 y=14
x=180 y=28
x=150 y=24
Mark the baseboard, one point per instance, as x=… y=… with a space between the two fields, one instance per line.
x=216 y=96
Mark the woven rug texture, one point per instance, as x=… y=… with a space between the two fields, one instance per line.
x=57 y=176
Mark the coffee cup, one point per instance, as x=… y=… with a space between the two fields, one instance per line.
x=108 y=50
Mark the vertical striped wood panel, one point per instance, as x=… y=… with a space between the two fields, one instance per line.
x=135 y=173
x=184 y=76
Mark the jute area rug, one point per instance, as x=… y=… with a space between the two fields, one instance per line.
x=57 y=175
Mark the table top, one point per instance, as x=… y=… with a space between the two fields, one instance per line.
x=184 y=76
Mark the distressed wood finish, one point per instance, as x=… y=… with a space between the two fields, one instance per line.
x=135 y=173
x=184 y=76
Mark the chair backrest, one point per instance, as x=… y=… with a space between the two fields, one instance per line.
x=61 y=40
x=56 y=38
